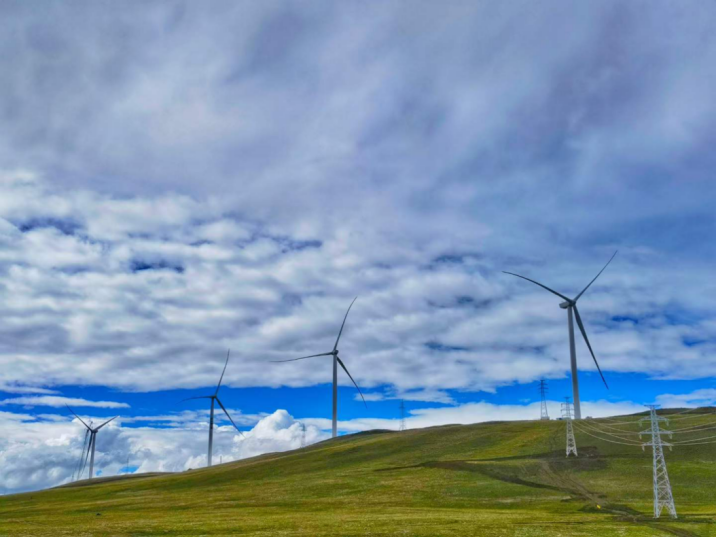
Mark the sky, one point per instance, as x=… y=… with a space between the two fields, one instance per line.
x=180 y=178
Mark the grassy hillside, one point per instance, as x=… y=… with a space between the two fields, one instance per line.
x=502 y=478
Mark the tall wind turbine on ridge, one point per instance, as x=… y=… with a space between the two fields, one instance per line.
x=571 y=305
x=215 y=398
x=336 y=360
x=93 y=439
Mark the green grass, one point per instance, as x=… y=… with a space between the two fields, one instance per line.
x=506 y=478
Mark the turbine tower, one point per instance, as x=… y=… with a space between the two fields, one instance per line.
x=215 y=398
x=336 y=361
x=571 y=305
x=93 y=439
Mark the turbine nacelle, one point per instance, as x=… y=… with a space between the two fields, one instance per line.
x=566 y=304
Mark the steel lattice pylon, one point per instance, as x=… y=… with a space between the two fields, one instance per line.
x=543 y=403
x=662 y=492
x=570 y=446
x=402 y=424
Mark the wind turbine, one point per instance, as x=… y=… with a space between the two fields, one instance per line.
x=336 y=360
x=215 y=398
x=571 y=305
x=93 y=438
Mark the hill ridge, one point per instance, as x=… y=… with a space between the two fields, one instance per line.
x=498 y=478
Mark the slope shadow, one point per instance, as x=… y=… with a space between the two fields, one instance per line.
x=105 y=479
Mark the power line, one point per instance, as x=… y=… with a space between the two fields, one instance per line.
x=691 y=440
x=603 y=425
x=611 y=422
x=606 y=440
x=689 y=417
x=698 y=427
x=607 y=433
x=687 y=410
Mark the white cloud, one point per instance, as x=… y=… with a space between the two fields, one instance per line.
x=37 y=454
x=697 y=398
x=471 y=413
x=421 y=395
x=60 y=401
x=25 y=389
x=75 y=287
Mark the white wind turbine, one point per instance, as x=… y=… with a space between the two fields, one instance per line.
x=336 y=361
x=93 y=437
x=214 y=397
x=571 y=305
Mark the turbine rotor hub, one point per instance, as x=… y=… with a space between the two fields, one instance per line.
x=565 y=304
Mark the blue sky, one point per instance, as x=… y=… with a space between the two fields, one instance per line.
x=177 y=179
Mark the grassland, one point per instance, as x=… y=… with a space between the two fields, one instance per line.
x=503 y=478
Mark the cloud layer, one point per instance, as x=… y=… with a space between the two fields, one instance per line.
x=45 y=452
x=114 y=292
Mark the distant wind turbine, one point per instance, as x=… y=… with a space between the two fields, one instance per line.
x=571 y=306
x=336 y=360
x=214 y=397
x=93 y=438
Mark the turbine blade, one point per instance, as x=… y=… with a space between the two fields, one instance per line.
x=585 y=336
x=307 y=357
x=594 y=279
x=222 y=377
x=336 y=345
x=539 y=284
x=105 y=423
x=352 y=379
x=83 y=422
x=87 y=456
x=229 y=417
x=195 y=398
x=78 y=470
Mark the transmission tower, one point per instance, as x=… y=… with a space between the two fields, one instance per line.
x=570 y=446
x=303 y=435
x=543 y=403
x=402 y=424
x=662 y=492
